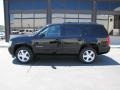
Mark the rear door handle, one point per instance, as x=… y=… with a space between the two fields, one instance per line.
x=53 y=41
x=58 y=40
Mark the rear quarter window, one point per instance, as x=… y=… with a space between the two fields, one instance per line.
x=95 y=30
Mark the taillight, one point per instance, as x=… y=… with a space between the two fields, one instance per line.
x=108 y=40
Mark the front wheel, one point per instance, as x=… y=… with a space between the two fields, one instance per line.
x=24 y=54
x=87 y=55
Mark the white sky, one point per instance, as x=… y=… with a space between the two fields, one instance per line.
x=1 y=13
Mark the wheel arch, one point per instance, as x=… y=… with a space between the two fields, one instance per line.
x=22 y=45
x=94 y=46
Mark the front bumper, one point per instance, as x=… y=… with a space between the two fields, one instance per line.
x=11 y=50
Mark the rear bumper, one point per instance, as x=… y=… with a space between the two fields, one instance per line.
x=104 y=50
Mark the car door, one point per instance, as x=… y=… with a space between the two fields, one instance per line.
x=51 y=42
x=72 y=38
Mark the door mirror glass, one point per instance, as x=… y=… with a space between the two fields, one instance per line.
x=42 y=35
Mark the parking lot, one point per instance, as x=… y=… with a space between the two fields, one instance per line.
x=60 y=73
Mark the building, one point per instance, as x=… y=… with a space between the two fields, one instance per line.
x=29 y=15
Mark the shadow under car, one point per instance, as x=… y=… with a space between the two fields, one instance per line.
x=64 y=60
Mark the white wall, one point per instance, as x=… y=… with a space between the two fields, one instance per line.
x=107 y=21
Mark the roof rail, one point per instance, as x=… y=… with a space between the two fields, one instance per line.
x=80 y=23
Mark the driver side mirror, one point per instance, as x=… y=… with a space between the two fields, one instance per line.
x=42 y=35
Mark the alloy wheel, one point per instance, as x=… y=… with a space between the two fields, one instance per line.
x=89 y=56
x=23 y=55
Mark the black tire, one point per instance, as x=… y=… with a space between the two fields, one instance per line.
x=27 y=58
x=87 y=58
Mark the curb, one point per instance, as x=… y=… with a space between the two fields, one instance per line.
x=3 y=46
x=115 y=46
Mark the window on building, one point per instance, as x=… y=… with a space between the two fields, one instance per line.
x=40 y=20
x=15 y=23
x=57 y=18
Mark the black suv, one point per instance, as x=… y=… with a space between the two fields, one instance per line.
x=83 y=39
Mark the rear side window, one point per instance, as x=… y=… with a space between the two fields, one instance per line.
x=72 y=30
x=95 y=30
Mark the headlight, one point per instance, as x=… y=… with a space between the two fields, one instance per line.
x=10 y=43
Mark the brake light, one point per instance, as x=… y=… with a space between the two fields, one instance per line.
x=108 y=40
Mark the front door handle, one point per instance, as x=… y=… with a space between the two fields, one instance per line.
x=56 y=41
x=79 y=39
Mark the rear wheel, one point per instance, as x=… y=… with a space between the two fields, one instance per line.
x=87 y=55
x=24 y=54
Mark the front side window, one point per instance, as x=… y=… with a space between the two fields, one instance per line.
x=52 y=31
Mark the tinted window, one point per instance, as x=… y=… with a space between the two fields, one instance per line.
x=52 y=31
x=95 y=30
x=73 y=30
